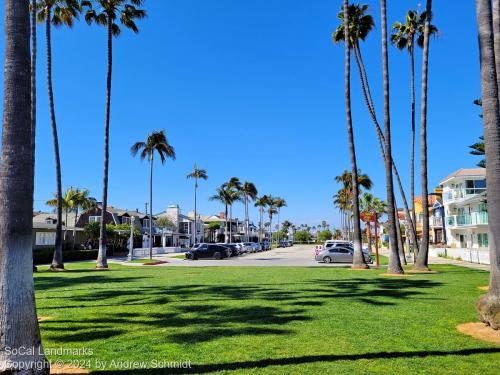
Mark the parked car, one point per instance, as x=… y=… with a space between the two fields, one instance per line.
x=333 y=243
x=234 y=250
x=249 y=247
x=281 y=244
x=257 y=246
x=240 y=247
x=338 y=254
x=208 y=251
x=265 y=246
x=289 y=243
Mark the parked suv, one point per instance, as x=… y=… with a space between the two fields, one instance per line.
x=339 y=254
x=208 y=251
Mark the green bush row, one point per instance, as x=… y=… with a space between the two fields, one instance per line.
x=44 y=256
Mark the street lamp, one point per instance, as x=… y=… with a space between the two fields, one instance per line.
x=131 y=241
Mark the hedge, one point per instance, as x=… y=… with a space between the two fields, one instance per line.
x=44 y=256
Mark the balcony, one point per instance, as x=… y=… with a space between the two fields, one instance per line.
x=460 y=194
x=468 y=220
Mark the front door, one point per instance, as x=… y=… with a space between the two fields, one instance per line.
x=463 y=243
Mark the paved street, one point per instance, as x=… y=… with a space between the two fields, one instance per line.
x=298 y=255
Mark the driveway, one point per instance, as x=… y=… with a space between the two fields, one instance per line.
x=298 y=256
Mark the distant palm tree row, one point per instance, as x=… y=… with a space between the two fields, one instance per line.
x=355 y=26
x=113 y=15
x=234 y=191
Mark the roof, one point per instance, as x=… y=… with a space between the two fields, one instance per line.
x=466 y=172
x=41 y=218
x=38 y=225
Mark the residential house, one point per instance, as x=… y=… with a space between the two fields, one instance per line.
x=436 y=221
x=464 y=200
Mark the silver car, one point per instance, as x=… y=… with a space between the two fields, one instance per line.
x=338 y=254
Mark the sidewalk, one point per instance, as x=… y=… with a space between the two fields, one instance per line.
x=454 y=262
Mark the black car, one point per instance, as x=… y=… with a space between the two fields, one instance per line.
x=208 y=251
x=233 y=249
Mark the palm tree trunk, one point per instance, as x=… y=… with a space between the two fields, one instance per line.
x=496 y=36
x=57 y=260
x=231 y=223
x=102 y=261
x=394 y=263
x=33 y=91
x=74 y=227
x=358 y=259
x=400 y=238
x=381 y=141
x=151 y=239
x=422 y=257
x=488 y=305
x=369 y=235
x=226 y=234
x=195 y=219
x=18 y=317
x=412 y=149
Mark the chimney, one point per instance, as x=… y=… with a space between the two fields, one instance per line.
x=222 y=215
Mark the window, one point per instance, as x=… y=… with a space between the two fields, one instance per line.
x=125 y=220
x=94 y=219
x=45 y=238
x=49 y=221
x=475 y=186
x=482 y=239
x=146 y=223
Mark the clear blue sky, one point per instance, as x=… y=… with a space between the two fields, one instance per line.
x=252 y=89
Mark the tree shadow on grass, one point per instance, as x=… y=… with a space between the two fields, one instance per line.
x=291 y=361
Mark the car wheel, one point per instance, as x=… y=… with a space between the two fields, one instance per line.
x=327 y=260
x=217 y=255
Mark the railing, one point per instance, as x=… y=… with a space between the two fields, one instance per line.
x=474 y=218
x=457 y=194
x=435 y=221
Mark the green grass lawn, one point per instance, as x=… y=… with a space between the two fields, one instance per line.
x=317 y=320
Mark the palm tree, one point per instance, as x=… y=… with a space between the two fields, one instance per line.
x=489 y=305
x=249 y=192
x=367 y=208
x=197 y=174
x=234 y=191
x=33 y=10
x=18 y=320
x=106 y=13
x=361 y=24
x=403 y=38
x=271 y=210
x=224 y=195
x=156 y=142
x=421 y=263
x=279 y=203
x=262 y=203
x=57 y=13
x=394 y=262
x=82 y=200
x=66 y=204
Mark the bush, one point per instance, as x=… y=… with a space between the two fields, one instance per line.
x=324 y=235
x=44 y=256
x=301 y=236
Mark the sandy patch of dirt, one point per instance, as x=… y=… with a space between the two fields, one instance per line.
x=44 y=318
x=67 y=370
x=485 y=288
x=395 y=275
x=480 y=331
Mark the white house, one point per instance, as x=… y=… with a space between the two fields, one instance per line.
x=466 y=216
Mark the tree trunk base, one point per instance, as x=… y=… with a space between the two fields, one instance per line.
x=102 y=268
x=488 y=307
x=56 y=267
x=428 y=270
x=360 y=267
x=389 y=274
x=417 y=268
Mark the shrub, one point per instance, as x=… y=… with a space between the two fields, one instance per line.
x=44 y=256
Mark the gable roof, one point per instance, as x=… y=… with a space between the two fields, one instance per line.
x=466 y=172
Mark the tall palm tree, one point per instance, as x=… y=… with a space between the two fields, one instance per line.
x=197 y=174
x=224 y=195
x=367 y=208
x=18 y=320
x=57 y=13
x=361 y=24
x=489 y=305
x=261 y=203
x=279 y=203
x=82 y=201
x=421 y=263
x=33 y=10
x=403 y=37
x=394 y=262
x=249 y=192
x=67 y=204
x=107 y=13
x=271 y=211
x=156 y=142
x=234 y=190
